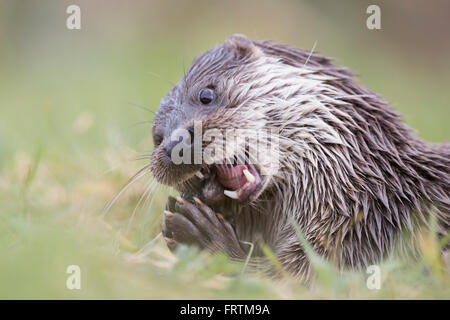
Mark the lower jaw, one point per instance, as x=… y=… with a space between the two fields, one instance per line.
x=219 y=182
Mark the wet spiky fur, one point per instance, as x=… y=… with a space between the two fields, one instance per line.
x=353 y=176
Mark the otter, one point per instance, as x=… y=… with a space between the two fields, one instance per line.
x=352 y=176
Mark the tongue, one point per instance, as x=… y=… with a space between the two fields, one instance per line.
x=232 y=177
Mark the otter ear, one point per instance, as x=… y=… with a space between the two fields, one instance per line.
x=241 y=46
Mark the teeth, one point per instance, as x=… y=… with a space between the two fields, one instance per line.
x=199 y=175
x=249 y=176
x=231 y=194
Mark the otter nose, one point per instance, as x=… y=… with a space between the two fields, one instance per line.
x=179 y=149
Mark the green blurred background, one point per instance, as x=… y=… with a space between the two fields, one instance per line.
x=72 y=120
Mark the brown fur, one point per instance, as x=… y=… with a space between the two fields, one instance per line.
x=352 y=174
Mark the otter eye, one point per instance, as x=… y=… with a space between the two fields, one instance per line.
x=207 y=96
x=157 y=139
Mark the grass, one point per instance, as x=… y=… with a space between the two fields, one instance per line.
x=56 y=178
x=69 y=129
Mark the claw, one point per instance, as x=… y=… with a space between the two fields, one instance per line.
x=169 y=240
x=198 y=201
x=200 y=175
x=168 y=214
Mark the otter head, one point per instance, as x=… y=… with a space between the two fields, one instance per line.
x=207 y=129
x=232 y=124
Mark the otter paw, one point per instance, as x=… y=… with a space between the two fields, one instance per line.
x=198 y=225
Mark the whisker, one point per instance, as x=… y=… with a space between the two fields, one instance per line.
x=143 y=157
x=184 y=71
x=126 y=161
x=145 y=250
x=113 y=168
x=148 y=189
x=142 y=107
x=310 y=54
x=356 y=96
x=160 y=77
x=147 y=122
x=148 y=204
x=142 y=172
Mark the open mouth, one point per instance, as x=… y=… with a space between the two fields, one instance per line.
x=236 y=181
